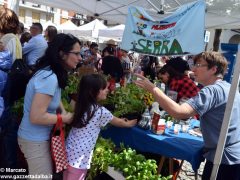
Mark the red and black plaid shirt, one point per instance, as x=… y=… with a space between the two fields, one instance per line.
x=184 y=86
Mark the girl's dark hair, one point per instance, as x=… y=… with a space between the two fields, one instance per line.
x=179 y=64
x=51 y=33
x=88 y=90
x=53 y=58
x=171 y=71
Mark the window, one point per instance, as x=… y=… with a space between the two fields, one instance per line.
x=64 y=14
x=22 y=15
x=36 y=5
x=35 y=17
x=49 y=17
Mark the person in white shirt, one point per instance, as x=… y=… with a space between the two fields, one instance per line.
x=86 y=125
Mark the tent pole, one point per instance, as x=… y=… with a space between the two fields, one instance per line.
x=227 y=117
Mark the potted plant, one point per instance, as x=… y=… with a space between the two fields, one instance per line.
x=102 y=156
x=125 y=163
x=126 y=101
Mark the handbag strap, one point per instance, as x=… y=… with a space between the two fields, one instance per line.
x=18 y=49
x=59 y=124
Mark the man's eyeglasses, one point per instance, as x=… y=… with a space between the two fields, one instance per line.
x=200 y=65
x=76 y=53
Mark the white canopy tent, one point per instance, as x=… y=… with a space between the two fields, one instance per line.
x=49 y=23
x=219 y=13
x=115 y=32
x=67 y=27
x=90 y=29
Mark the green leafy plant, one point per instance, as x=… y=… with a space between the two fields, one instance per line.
x=17 y=108
x=135 y=166
x=125 y=100
x=132 y=165
x=70 y=89
x=102 y=157
x=72 y=85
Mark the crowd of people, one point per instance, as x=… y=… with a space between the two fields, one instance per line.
x=53 y=55
x=51 y=58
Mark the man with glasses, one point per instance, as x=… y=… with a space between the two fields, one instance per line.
x=210 y=103
x=36 y=46
x=91 y=56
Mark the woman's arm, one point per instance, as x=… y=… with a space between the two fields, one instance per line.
x=182 y=111
x=123 y=122
x=39 y=114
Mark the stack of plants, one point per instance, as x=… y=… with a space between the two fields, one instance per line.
x=122 y=101
x=127 y=100
x=133 y=166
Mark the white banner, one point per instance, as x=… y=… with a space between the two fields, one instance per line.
x=180 y=33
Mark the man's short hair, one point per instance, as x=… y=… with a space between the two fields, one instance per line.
x=38 y=25
x=213 y=59
x=93 y=45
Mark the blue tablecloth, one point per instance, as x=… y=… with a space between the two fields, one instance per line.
x=182 y=146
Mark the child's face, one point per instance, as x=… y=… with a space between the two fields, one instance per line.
x=102 y=94
x=164 y=77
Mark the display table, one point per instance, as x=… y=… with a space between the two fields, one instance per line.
x=181 y=146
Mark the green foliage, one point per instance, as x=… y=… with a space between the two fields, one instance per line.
x=133 y=166
x=67 y=105
x=102 y=157
x=169 y=118
x=72 y=85
x=126 y=100
x=71 y=88
x=18 y=107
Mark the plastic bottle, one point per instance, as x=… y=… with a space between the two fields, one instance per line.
x=155 y=108
x=145 y=121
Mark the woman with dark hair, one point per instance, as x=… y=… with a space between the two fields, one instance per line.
x=178 y=82
x=43 y=98
x=50 y=33
x=111 y=65
x=89 y=117
x=149 y=69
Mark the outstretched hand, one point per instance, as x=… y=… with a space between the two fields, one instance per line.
x=144 y=83
x=131 y=123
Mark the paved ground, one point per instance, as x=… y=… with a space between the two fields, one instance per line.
x=187 y=173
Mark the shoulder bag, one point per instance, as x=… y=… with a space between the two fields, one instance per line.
x=58 y=150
